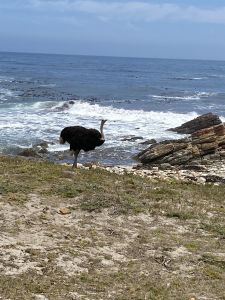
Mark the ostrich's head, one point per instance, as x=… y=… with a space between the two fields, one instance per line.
x=103 y=122
x=101 y=129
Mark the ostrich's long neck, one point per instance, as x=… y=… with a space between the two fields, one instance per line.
x=101 y=130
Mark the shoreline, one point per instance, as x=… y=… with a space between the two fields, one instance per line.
x=198 y=173
x=214 y=173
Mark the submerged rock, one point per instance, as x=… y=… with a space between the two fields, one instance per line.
x=29 y=152
x=132 y=138
x=149 y=142
x=37 y=150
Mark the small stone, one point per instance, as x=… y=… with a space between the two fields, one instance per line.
x=69 y=174
x=40 y=297
x=132 y=138
x=64 y=211
x=201 y=180
x=165 y=166
x=155 y=168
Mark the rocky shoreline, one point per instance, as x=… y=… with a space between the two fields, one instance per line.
x=213 y=174
x=199 y=157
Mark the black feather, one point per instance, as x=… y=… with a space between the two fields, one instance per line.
x=81 y=138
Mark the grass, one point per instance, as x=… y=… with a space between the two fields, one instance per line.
x=126 y=237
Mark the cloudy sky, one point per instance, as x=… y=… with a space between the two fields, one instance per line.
x=145 y=28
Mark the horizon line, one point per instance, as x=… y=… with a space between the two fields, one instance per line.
x=112 y=56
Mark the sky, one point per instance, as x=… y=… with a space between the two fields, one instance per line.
x=192 y=29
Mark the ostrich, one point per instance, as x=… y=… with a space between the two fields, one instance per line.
x=81 y=138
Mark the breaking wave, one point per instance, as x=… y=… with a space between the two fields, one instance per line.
x=43 y=121
x=195 y=96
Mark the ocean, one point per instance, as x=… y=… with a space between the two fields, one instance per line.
x=140 y=98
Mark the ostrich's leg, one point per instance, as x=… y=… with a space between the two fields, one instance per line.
x=76 y=152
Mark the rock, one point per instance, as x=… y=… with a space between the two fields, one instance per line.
x=221 y=141
x=195 y=167
x=214 y=178
x=203 y=121
x=165 y=166
x=215 y=156
x=42 y=145
x=208 y=147
x=155 y=168
x=64 y=211
x=163 y=152
x=65 y=106
x=179 y=157
x=204 y=145
x=155 y=151
x=40 y=297
x=206 y=135
x=71 y=102
x=42 y=151
x=222 y=153
x=148 y=142
x=201 y=180
x=29 y=152
x=132 y=138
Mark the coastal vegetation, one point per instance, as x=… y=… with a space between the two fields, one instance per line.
x=93 y=234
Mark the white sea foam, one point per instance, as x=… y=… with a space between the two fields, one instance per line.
x=50 y=85
x=121 y=122
x=196 y=96
x=198 y=78
x=206 y=94
x=136 y=117
x=6 y=79
x=218 y=75
x=189 y=78
x=26 y=125
x=165 y=97
x=4 y=93
x=37 y=122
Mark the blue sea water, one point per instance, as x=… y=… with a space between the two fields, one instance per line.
x=140 y=97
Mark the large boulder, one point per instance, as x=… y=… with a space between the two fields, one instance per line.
x=38 y=150
x=29 y=152
x=171 y=151
x=209 y=141
x=201 y=122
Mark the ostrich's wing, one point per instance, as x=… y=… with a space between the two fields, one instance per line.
x=91 y=139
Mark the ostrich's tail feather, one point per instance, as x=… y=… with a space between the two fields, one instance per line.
x=61 y=140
